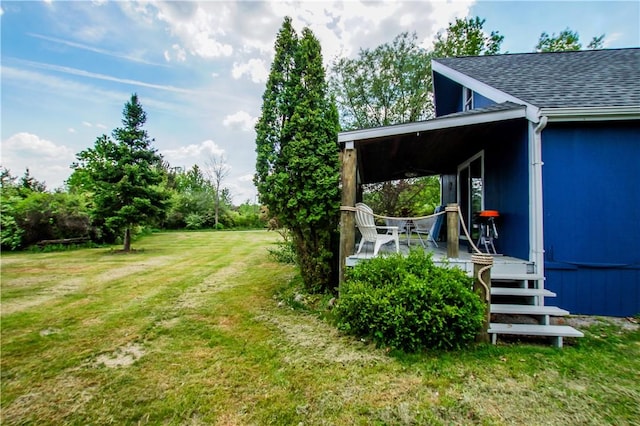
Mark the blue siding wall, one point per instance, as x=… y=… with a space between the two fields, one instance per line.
x=507 y=188
x=591 y=184
x=448 y=95
x=480 y=101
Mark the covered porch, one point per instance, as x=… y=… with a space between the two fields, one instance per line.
x=481 y=157
x=487 y=159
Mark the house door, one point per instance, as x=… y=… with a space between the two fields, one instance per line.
x=471 y=191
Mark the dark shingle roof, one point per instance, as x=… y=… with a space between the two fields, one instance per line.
x=588 y=78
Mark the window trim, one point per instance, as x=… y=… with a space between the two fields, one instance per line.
x=467 y=99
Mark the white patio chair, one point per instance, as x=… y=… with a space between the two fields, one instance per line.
x=428 y=227
x=400 y=224
x=367 y=226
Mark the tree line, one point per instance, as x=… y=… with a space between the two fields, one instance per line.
x=118 y=187
x=122 y=185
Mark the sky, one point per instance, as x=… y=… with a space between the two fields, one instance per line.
x=200 y=68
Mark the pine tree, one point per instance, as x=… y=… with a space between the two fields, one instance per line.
x=123 y=175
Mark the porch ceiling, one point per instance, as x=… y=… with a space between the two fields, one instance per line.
x=431 y=147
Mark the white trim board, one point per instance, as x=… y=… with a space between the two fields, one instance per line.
x=433 y=124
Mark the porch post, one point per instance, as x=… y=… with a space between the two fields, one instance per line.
x=453 y=243
x=348 y=158
x=482 y=287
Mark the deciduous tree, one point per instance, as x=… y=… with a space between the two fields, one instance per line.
x=566 y=40
x=217 y=171
x=387 y=85
x=466 y=37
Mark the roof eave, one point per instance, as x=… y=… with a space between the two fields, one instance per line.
x=592 y=113
x=489 y=92
x=429 y=125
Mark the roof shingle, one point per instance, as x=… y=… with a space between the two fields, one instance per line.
x=588 y=78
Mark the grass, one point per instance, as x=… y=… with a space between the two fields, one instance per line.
x=191 y=330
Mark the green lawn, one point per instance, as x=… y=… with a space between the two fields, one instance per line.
x=189 y=330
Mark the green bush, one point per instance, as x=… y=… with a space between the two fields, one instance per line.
x=284 y=252
x=194 y=221
x=33 y=216
x=409 y=303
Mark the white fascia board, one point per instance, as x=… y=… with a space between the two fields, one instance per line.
x=484 y=89
x=429 y=125
x=592 y=114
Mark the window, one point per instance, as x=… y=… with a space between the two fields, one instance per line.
x=471 y=189
x=467 y=99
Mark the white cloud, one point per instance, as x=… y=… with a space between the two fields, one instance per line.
x=27 y=142
x=45 y=160
x=100 y=126
x=62 y=88
x=179 y=54
x=246 y=178
x=256 y=69
x=129 y=57
x=87 y=124
x=241 y=190
x=199 y=26
x=71 y=130
x=609 y=39
x=194 y=152
x=240 y=120
x=97 y=76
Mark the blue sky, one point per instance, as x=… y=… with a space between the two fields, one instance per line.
x=199 y=68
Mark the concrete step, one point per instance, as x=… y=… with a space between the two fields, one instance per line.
x=508 y=291
x=557 y=331
x=498 y=308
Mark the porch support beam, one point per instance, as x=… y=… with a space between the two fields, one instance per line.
x=349 y=160
x=453 y=243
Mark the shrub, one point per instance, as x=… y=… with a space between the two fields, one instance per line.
x=409 y=303
x=284 y=252
x=194 y=221
x=39 y=216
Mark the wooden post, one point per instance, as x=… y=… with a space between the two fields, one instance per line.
x=348 y=158
x=482 y=274
x=453 y=243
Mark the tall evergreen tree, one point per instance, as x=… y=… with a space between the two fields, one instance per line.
x=297 y=169
x=123 y=175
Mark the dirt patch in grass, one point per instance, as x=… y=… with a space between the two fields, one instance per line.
x=220 y=280
x=309 y=339
x=121 y=357
x=519 y=400
x=118 y=271
x=51 y=402
x=585 y=321
x=49 y=331
x=39 y=297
